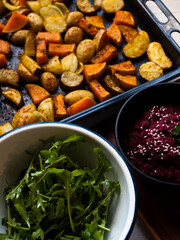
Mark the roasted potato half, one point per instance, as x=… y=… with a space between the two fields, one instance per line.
x=4 y=128
x=73 y=17
x=25 y=74
x=111 y=6
x=35 y=22
x=18 y=38
x=155 y=53
x=14 y=96
x=71 y=81
x=46 y=109
x=74 y=35
x=138 y=46
x=53 y=65
x=85 y=6
x=9 y=77
x=150 y=71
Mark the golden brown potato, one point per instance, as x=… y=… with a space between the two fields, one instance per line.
x=34 y=5
x=14 y=96
x=71 y=81
x=25 y=74
x=50 y=10
x=49 y=82
x=53 y=66
x=4 y=128
x=111 y=6
x=69 y=63
x=85 y=6
x=85 y=50
x=74 y=35
x=18 y=38
x=150 y=71
x=73 y=17
x=9 y=77
x=138 y=46
x=46 y=109
x=25 y=115
x=76 y=95
x=155 y=53
x=55 y=24
x=35 y=22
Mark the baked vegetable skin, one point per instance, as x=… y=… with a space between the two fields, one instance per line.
x=56 y=199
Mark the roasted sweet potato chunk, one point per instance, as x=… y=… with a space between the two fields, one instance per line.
x=124 y=68
x=37 y=93
x=126 y=82
x=125 y=18
x=94 y=71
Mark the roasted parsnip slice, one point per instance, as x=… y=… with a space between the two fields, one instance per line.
x=14 y=96
x=9 y=77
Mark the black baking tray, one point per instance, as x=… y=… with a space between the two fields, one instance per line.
x=145 y=20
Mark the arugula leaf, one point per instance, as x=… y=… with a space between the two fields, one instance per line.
x=56 y=199
x=176 y=132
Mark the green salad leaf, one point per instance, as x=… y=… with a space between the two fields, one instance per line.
x=56 y=199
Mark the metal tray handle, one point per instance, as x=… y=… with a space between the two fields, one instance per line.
x=170 y=26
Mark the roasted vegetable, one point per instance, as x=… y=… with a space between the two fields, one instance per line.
x=35 y=22
x=4 y=128
x=59 y=107
x=111 y=6
x=49 y=82
x=9 y=77
x=138 y=46
x=14 y=96
x=46 y=109
x=126 y=82
x=85 y=50
x=124 y=68
x=114 y=35
x=41 y=52
x=111 y=86
x=55 y=24
x=73 y=17
x=94 y=71
x=18 y=38
x=74 y=35
x=100 y=39
x=69 y=63
x=96 y=21
x=150 y=71
x=25 y=115
x=5 y=48
x=71 y=81
x=76 y=95
x=37 y=93
x=53 y=66
x=25 y=74
x=155 y=53
x=50 y=37
x=3 y=60
x=87 y=27
x=15 y=23
x=124 y=18
x=99 y=91
x=129 y=33
x=61 y=50
x=85 y=6
x=30 y=47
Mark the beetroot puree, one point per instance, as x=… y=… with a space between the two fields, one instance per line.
x=151 y=146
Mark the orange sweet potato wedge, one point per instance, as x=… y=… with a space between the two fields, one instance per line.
x=15 y=22
x=37 y=93
x=129 y=33
x=114 y=35
x=50 y=37
x=61 y=50
x=59 y=107
x=125 y=18
x=1 y=28
x=80 y=105
x=106 y=54
x=41 y=52
x=96 y=21
x=99 y=91
x=94 y=71
x=3 y=60
x=124 y=68
x=5 y=48
x=126 y=82
x=87 y=27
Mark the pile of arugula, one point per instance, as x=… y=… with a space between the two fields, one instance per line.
x=56 y=199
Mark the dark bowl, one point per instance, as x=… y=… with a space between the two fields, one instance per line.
x=164 y=93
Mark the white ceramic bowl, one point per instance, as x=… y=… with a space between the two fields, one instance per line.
x=14 y=144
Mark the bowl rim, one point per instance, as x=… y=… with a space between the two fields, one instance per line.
x=93 y=133
x=154 y=180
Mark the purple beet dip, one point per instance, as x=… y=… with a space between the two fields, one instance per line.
x=152 y=148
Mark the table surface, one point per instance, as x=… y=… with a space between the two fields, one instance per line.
x=158 y=209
